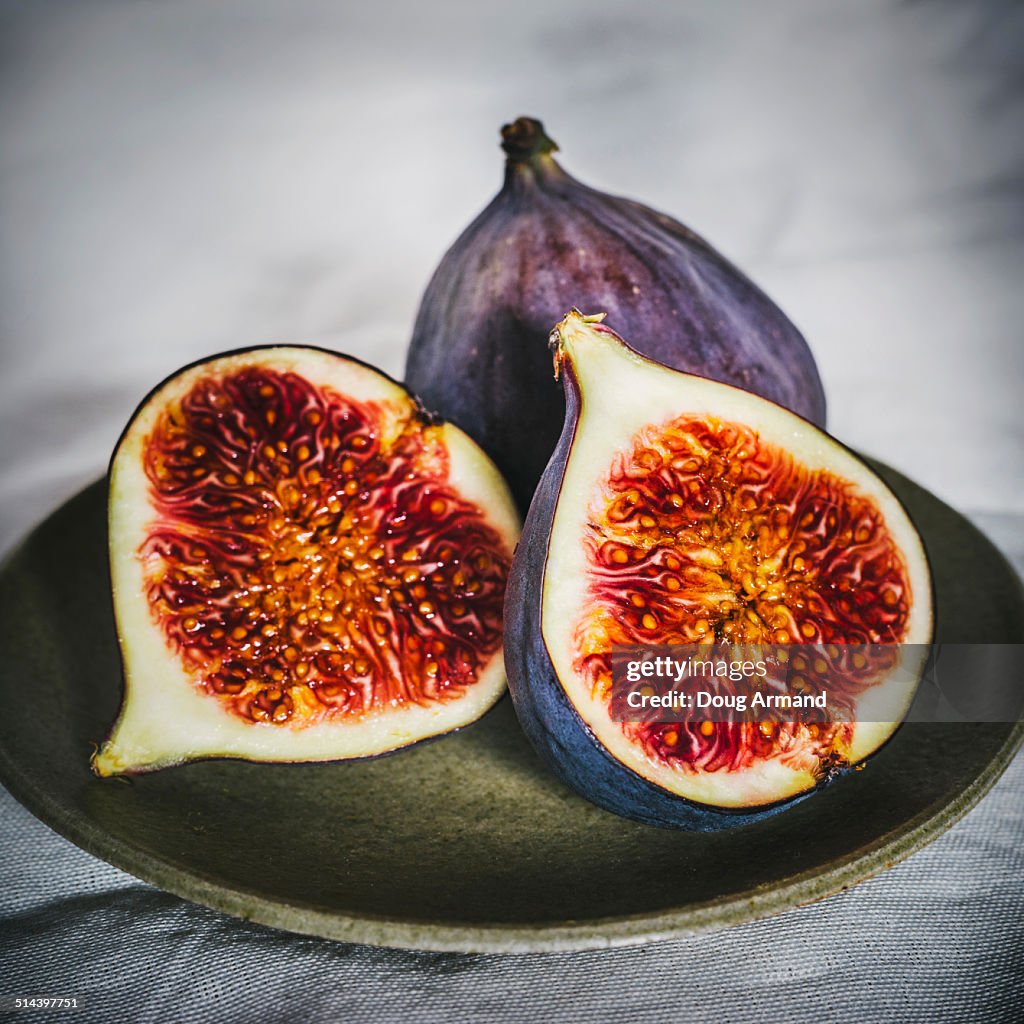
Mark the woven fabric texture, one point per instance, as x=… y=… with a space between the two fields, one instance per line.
x=937 y=938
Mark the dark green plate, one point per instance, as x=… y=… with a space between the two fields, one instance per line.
x=465 y=843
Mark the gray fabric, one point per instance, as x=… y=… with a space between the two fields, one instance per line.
x=181 y=178
x=937 y=938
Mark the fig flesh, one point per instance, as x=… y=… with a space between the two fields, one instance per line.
x=677 y=510
x=547 y=242
x=305 y=566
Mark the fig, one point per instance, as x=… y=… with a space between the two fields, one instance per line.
x=547 y=242
x=678 y=510
x=305 y=566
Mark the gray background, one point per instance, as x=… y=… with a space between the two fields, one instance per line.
x=178 y=178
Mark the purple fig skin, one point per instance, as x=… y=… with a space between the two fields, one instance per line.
x=553 y=726
x=547 y=243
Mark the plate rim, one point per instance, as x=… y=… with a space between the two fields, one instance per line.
x=595 y=933
x=750 y=905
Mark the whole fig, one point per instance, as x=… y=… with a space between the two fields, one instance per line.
x=546 y=243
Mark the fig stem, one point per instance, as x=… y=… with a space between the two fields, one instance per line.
x=524 y=139
x=570 y=324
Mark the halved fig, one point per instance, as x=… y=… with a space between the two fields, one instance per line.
x=678 y=510
x=305 y=566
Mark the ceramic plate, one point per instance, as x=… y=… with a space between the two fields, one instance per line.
x=465 y=843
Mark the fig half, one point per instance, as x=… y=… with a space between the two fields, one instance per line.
x=677 y=510
x=305 y=566
x=547 y=242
